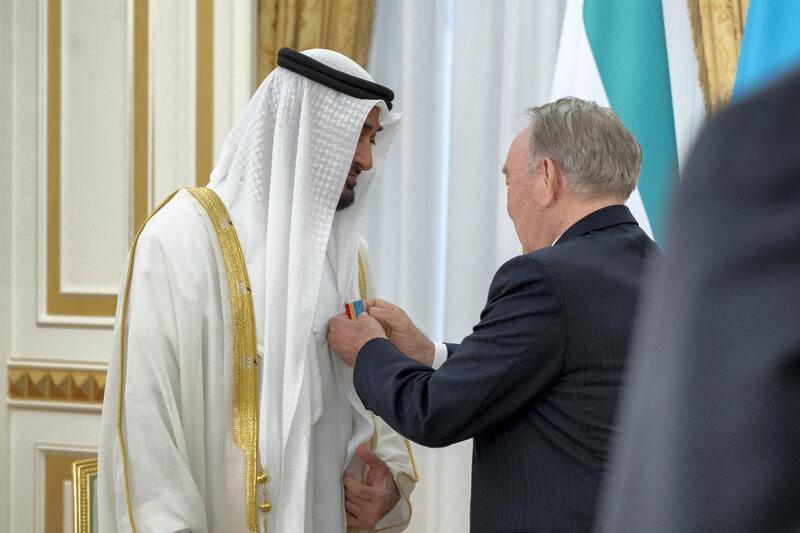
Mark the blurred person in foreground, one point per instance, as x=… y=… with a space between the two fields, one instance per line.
x=709 y=436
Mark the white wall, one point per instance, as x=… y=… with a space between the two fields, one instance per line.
x=687 y=96
x=95 y=215
x=5 y=245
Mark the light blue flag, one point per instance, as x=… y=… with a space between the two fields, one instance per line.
x=770 y=44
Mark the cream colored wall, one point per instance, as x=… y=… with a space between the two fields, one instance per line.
x=53 y=345
x=5 y=246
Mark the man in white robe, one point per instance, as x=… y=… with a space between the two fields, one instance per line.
x=186 y=442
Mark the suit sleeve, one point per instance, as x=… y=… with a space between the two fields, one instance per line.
x=513 y=353
x=451 y=347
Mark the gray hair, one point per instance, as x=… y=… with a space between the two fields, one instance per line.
x=597 y=154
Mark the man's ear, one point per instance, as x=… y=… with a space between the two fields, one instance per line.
x=553 y=180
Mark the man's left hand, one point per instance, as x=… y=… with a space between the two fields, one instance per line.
x=366 y=503
x=346 y=337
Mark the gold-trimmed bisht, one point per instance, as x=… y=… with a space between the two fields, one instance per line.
x=245 y=369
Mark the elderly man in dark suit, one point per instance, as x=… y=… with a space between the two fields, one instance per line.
x=709 y=425
x=536 y=382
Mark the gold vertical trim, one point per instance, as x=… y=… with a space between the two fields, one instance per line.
x=141 y=112
x=81 y=494
x=76 y=304
x=204 y=96
x=414 y=476
x=362 y=279
x=245 y=361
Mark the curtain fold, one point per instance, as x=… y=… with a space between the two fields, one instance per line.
x=717 y=27
x=464 y=73
x=341 y=25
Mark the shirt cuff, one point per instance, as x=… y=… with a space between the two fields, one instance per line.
x=439 y=355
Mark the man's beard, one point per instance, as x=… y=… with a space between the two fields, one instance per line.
x=348 y=191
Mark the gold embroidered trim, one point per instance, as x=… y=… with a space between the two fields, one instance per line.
x=245 y=369
x=362 y=279
x=120 y=397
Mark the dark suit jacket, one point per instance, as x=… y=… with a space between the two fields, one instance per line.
x=536 y=382
x=710 y=424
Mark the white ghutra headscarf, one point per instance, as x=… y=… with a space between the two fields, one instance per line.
x=280 y=175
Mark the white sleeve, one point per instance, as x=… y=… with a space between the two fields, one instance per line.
x=152 y=472
x=440 y=355
x=396 y=452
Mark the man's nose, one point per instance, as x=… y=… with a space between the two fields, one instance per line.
x=363 y=154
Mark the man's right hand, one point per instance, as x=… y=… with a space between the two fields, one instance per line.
x=401 y=331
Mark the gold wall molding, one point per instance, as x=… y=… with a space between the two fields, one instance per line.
x=57 y=470
x=341 y=25
x=204 y=96
x=84 y=472
x=60 y=303
x=60 y=384
x=141 y=115
x=717 y=27
x=77 y=304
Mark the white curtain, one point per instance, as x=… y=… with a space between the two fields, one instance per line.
x=687 y=96
x=464 y=73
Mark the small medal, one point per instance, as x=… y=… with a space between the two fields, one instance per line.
x=353 y=309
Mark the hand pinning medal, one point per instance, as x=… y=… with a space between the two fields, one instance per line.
x=353 y=309
x=349 y=331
